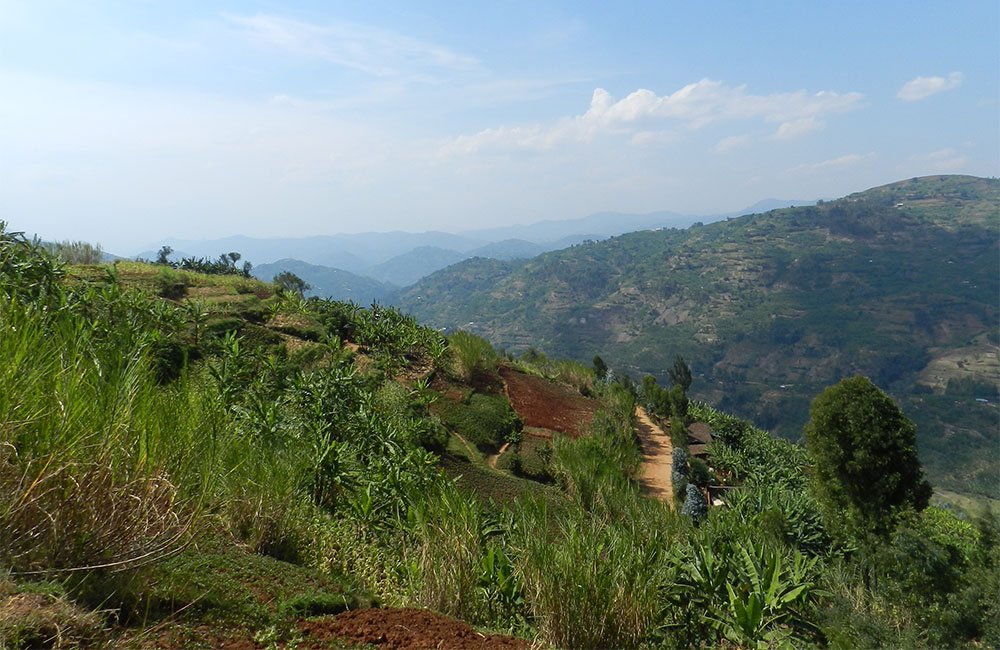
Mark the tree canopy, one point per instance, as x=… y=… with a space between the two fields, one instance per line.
x=865 y=456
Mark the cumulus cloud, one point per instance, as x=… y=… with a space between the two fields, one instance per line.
x=364 y=48
x=841 y=161
x=923 y=87
x=694 y=107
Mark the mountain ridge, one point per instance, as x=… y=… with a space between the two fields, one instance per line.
x=769 y=307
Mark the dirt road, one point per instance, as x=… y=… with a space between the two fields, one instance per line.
x=657 y=458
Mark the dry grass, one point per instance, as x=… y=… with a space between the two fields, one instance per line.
x=59 y=516
x=35 y=620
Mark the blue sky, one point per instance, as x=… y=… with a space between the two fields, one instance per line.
x=124 y=122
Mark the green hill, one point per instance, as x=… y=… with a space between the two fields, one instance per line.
x=327 y=282
x=198 y=460
x=899 y=283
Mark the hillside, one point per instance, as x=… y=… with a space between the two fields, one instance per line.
x=898 y=283
x=199 y=460
x=326 y=282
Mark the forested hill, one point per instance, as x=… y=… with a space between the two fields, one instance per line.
x=898 y=283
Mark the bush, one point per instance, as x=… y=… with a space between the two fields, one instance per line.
x=170 y=284
x=678 y=433
x=695 y=505
x=701 y=475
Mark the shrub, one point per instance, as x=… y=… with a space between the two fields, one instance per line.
x=678 y=433
x=170 y=284
x=701 y=475
x=76 y=252
x=695 y=505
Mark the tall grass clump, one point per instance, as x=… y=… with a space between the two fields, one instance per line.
x=589 y=584
x=449 y=526
x=76 y=252
x=473 y=358
x=98 y=470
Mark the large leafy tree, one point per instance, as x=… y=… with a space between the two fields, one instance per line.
x=865 y=454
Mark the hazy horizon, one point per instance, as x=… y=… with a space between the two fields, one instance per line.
x=128 y=123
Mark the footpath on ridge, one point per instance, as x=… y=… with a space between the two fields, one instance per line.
x=657 y=458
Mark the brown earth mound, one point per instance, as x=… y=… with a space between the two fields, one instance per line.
x=546 y=404
x=402 y=628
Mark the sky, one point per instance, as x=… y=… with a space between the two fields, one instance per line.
x=126 y=122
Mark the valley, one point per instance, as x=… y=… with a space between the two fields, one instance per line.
x=898 y=283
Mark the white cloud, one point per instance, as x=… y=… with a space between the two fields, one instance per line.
x=841 y=161
x=923 y=87
x=695 y=106
x=651 y=138
x=942 y=160
x=796 y=128
x=367 y=49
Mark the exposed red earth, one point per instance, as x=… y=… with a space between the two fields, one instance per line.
x=548 y=405
x=402 y=628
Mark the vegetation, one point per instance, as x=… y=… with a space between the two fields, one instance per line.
x=864 y=451
x=218 y=466
x=769 y=309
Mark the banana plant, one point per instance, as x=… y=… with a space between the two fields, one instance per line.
x=765 y=597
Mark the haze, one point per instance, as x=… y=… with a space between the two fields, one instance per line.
x=127 y=122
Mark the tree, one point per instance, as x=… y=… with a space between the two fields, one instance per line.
x=163 y=256
x=680 y=373
x=288 y=281
x=864 y=450
x=600 y=368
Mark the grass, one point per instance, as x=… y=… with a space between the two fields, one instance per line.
x=473 y=358
x=485 y=421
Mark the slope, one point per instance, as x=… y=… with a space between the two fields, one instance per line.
x=327 y=282
x=771 y=308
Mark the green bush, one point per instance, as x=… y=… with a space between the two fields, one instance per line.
x=170 y=284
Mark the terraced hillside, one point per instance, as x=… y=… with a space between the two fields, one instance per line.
x=898 y=283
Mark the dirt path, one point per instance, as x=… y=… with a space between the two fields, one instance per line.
x=657 y=458
x=491 y=460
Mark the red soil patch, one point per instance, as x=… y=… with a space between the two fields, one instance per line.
x=402 y=628
x=546 y=404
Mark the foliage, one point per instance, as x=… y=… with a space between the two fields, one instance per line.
x=772 y=308
x=591 y=585
x=701 y=475
x=75 y=252
x=680 y=373
x=487 y=421
x=288 y=281
x=750 y=595
x=131 y=425
x=866 y=471
x=695 y=504
x=600 y=368
x=473 y=357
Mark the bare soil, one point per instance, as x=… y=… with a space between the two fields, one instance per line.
x=657 y=458
x=402 y=628
x=548 y=405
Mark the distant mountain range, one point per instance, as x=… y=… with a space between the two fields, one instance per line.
x=325 y=281
x=899 y=283
x=395 y=259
